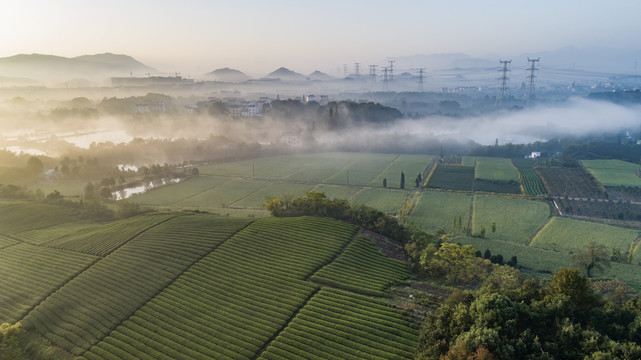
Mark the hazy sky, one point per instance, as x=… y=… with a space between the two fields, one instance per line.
x=197 y=36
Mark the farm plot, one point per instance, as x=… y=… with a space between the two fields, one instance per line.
x=468 y=161
x=224 y=194
x=387 y=201
x=51 y=233
x=436 y=210
x=29 y=273
x=527 y=256
x=276 y=189
x=337 y=192
x=229 y=304
x=100 y=240
x=614 y=172
x=393 y=174
x=363 y=170
x=336 y=324
x=16 y=217
x=495 y=169
x=571 y=182
x=93 y=303
x=167 y=195
x=452 y=177
x=516 y=220
x=532 y=184
x=362 y=268
x=569 y=235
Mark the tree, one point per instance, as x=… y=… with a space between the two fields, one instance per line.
x=402 y=180
x=594 y=257
x=384 y=182
x=195 y=171
x=34 y=166
x=575 y=286
x=493 y=227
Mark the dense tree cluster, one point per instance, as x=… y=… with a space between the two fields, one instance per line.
x=317 y=204
x=513 y=318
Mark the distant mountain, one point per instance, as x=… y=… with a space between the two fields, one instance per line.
x=286 y=75
x=320 y=76
x=227 y=75
x=51 y=68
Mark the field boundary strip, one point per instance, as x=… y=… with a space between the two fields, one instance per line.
x=158 y=291
x=535 y=233
x=287 y=323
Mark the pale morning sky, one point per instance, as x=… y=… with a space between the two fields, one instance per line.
x=197 y=36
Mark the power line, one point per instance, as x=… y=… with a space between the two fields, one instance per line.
x=372 y=72
x=503 y=79
x=420 y=79
x=530 y=87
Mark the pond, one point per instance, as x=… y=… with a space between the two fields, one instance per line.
x=145 y=186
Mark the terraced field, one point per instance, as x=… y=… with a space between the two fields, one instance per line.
x=339 y=325
x=29 y=273
x=16 y=216
x=362 y=268
x=89 y=306
x=233 y=301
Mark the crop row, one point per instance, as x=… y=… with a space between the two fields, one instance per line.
x=29 y=273
x=101 y=240
x=113 y=288
x=531 y=182
x=362 y=268
x=22 y=216
x=338 y=324
x=230 y=303
x=5 y=242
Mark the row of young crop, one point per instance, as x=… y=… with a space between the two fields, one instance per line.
x=16 y=217
x=339 y=324
x=362 y=268
x=532 y=184
x=88 y=307
x=101 y=240
x=230 y=303
x=29 y=273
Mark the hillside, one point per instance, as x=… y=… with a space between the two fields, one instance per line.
x=285 y=75
x=227 y=75
x=50 y=68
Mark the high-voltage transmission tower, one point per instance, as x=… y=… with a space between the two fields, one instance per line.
x=357 y=69
x=530 y=86
x=385 y=77
x=372 y=72
x=345 y=70
x=420 y=79
x=391 y=70
x=504 y=70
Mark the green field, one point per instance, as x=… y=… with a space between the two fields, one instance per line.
x=16 y=216
x=277 y=189
x=532 y=184
x=171 y=194
x=439 y=209
x=336 y=324
x=89 y=306
x=614 y=172
x=30 y=273
x=362 y=268
x=516 y=220
x=452 y=177
x=495 y=169
x=569 y=235
x=337 y=192
x=410 y=165
x=387 y=201
x=229 y=304
x=469 y=161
